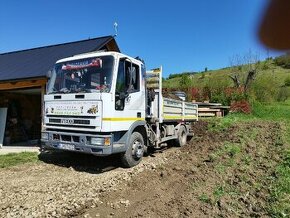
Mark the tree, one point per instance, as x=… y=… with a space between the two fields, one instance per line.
x=184 y=81
x=244 y=69
x=283 y=61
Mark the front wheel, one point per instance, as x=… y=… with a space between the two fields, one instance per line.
x=135 y=151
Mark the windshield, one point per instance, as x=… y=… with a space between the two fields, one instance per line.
x=84 y=75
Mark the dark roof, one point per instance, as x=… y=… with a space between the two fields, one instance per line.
x=32 y=63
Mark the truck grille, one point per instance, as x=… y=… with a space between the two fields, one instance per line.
x=68 y=121
x=70 y=126
x=65 y=138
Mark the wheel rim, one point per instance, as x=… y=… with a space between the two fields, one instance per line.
x=137 y=149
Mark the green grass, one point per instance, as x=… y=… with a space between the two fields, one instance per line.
x=280 y=190
x=218 y=192
x=274 y=111
x=231 y=149
x=228 y=149
x=218 y=124
x=14 y=159
x=247 y=159
x=204 y=198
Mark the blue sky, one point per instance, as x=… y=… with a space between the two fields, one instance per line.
x=184 y=35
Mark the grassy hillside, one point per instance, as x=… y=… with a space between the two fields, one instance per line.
x=267 y=86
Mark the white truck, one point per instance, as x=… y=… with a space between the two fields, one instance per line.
x=103 y=103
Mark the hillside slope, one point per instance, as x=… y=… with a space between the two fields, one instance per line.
x=266 y=85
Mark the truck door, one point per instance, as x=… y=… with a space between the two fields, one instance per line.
x=130 y=94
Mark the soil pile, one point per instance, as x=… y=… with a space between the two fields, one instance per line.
x=224 y=174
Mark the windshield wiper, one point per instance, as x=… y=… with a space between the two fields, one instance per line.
x=84 y=90
x=63 y=90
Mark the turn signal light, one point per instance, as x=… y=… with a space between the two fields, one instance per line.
x=107 y=141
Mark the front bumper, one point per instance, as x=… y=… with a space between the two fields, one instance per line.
x=80 y=143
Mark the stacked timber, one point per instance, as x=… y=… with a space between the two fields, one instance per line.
x=206 y=109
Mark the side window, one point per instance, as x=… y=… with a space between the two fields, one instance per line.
x=120 y=87
x=121 y=83
x=132 y=77
x=128 y=81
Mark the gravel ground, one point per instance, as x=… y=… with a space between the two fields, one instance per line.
x=65 y=185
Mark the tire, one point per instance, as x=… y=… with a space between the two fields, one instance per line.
x=181 y=136
x=135 y=151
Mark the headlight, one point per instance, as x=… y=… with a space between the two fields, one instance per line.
x=97 y=141
x=101 y=141
x=44 y=135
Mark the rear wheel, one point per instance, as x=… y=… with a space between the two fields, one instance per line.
x=181 y=136
x=135 y=151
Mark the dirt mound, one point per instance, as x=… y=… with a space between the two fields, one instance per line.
x=222 y=174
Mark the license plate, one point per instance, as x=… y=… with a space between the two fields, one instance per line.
x=66 y=146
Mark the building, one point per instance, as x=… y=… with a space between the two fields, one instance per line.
x=23 y=84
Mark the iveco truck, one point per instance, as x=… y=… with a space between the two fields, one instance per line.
x=103 y=103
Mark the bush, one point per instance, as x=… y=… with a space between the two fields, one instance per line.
x=287 y=81
x=283 y=61
x=241 y=106
x=227 y=95
x=284 y=94
x=265 y=66
x=185 y=81
x=264 y=88
x=220 y=98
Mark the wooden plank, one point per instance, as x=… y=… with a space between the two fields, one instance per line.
x=3 y=115
x=206 y=115
x=209 y=110
x=42 y=105
x=23 y=84
x=220 y=107
x=208 y=104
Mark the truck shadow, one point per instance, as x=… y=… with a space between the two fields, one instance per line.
x=81 y=162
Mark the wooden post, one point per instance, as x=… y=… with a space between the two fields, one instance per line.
x=43 y=87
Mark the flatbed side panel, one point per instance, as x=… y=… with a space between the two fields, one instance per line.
x=175 y=110
x=172 y=109
x=190 y=111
